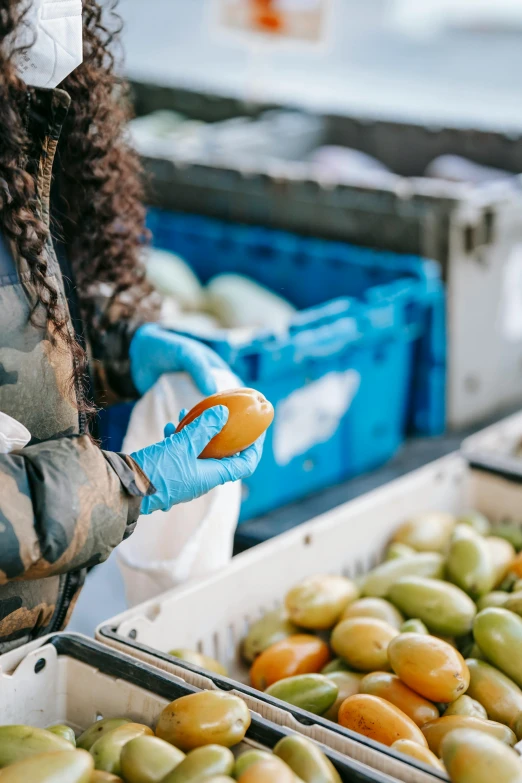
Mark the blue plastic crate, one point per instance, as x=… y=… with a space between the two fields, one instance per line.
x=362 y=363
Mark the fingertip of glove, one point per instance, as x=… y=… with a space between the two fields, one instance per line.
x=217 y=415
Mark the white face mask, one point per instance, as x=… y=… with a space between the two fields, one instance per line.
x=55 y=26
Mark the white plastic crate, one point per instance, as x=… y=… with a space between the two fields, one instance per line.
x=502 y=440
x=213 y=616
x=70 y=679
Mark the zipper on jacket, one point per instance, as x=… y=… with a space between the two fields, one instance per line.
x=71 y=583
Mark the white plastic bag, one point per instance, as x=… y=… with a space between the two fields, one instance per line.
x=13 y=435
x=193 y=539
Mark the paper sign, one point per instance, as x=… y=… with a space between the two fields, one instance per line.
x=312 y=415
x=298 y=20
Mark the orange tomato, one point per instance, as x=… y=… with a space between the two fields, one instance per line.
x=516 y=566
x=298 y=654
x=249 y=415
x=388 y=686
x=429 y=666
x=379 y=720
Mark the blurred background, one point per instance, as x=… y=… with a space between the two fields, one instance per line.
x=336 y=208
x=436 y=60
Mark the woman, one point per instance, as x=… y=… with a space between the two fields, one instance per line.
x=77 y=320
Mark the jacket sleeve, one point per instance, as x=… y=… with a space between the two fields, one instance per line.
x=64 y=505
x=112 y=321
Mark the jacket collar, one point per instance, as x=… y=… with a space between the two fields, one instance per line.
x=46 y=113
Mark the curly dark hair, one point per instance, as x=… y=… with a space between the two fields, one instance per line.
x=97 y=175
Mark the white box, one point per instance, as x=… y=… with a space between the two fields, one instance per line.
x=501 y=441
x=70 y=679
x=213 y=616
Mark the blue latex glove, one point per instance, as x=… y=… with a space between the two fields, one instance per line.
x=154 y=351
x=175 y=470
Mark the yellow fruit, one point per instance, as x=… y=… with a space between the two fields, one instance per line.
x=378 y=719
x=205 y=718
x=430 y=532
x=418 y=752
x=201 y=764
x=148 y=760
x=69 y=766
x=18 y=742
x=465 y=705
x=306 y=760
x=318 y=602
x=474 y=757
x=388 y=686
x=267 y=771
x=106 y=751
x=378 y=608
x=97 y=730
x=429 y=666
x=197 y=659
x=347 y=683
x=436 y=730
x=273 y=627
x=363 y=642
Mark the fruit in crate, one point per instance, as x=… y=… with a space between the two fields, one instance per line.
x=472 y=757
x=98 y=730
x=389 y=687
x=198 y=659
x=436 y=730
x=429 y=666
x=70 y=766
x=317 y=603
x=63 y=731
x=148 y=759
x=465 y=705
x=430 y=532
x=443 y=607
x=363 y=643
x=378 y=719
x=106 y=751
x=207 y=721
x=249 y=416
x=313 y=692
x=237 y=302
x=348 y=684
x=378 y=608
x=204 y=718
x=306 y=760
x=419 y=752
x=271 y=628
x=442 y=592
x=203 y=763
x=300 y=654
x=20 y=742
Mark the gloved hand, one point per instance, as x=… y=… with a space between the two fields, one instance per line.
x=175 y=470
x=154 y=351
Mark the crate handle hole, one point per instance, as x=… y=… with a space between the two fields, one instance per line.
x=469 y=239
x=40 y=665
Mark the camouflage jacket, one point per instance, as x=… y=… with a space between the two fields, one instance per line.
x=64 y=503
